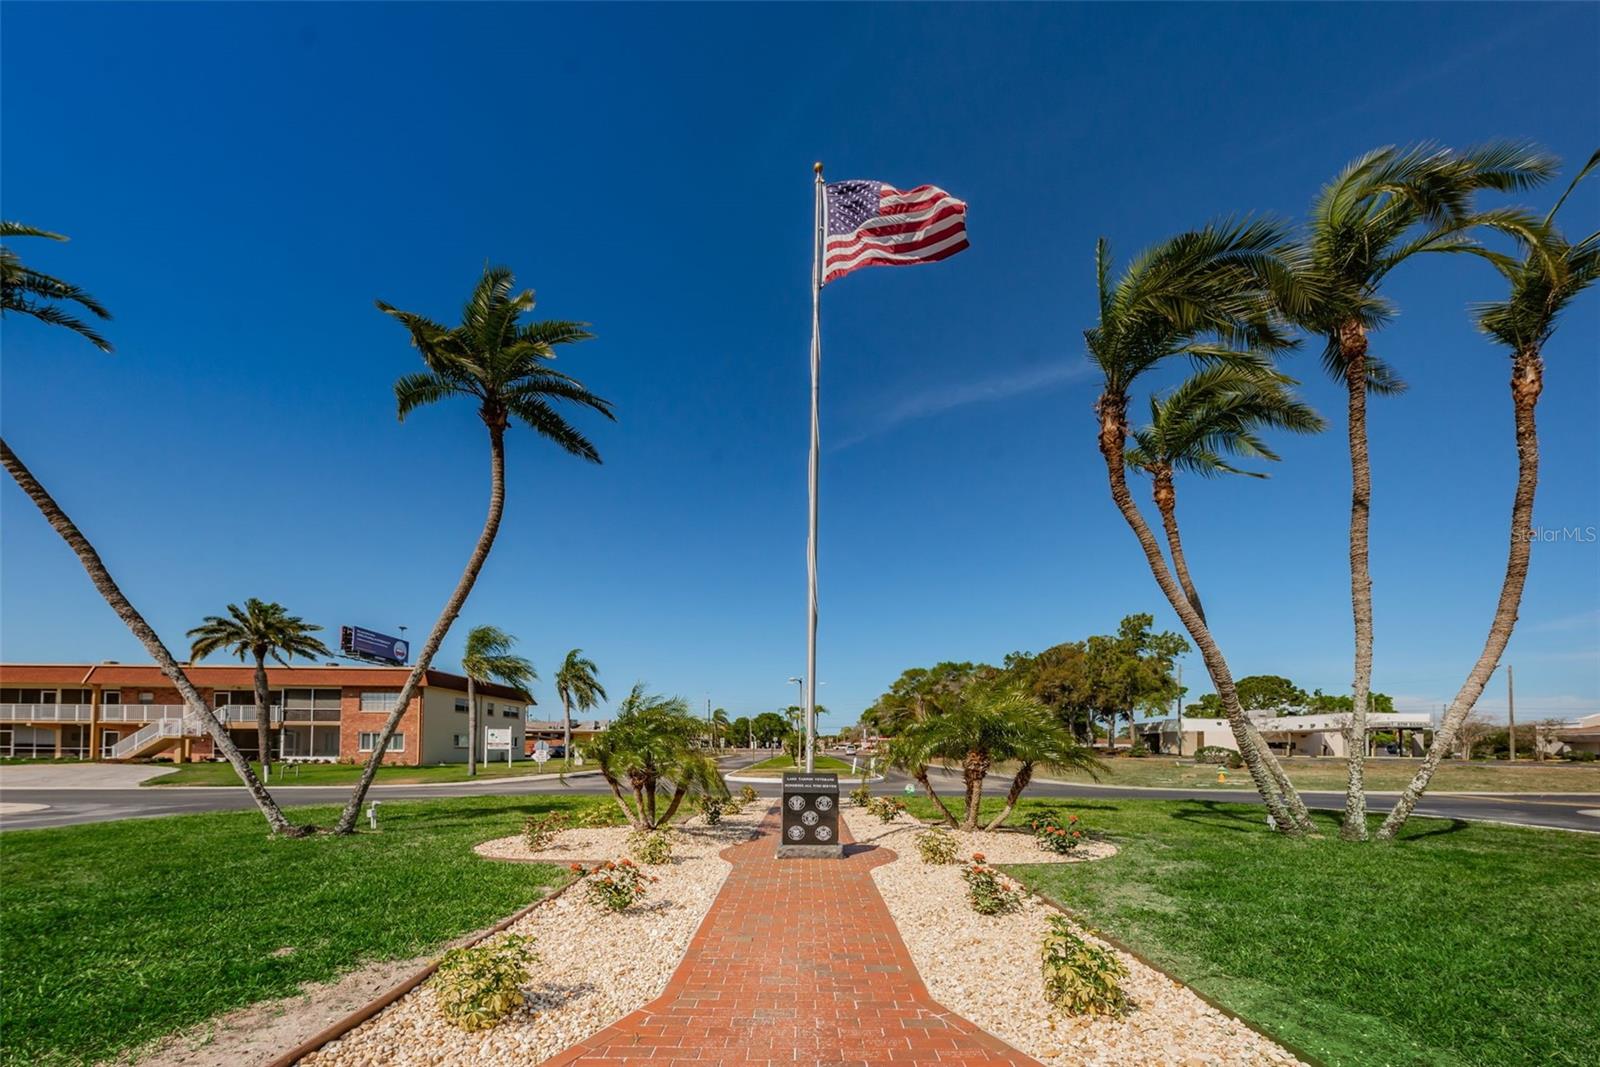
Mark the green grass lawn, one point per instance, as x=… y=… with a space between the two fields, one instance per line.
x=113 y=934
x=1478 y=776
x=786 y=763
x=1461 y=944
x=292 y=774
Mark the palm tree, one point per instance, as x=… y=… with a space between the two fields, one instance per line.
x=505 y=367
x=1210 y=295
x=1550 y=275
x=30 y=292
x=21 y=291
x=982 y=726
x=719 y=725
x=578 y=686
x=1216 y=413
x=650 y=745
x=260 y=630
x=488 y=658
x=1382 y=209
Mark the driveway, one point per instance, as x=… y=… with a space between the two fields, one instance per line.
x=77 y=775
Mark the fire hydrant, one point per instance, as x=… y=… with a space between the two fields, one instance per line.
x=1222 y=776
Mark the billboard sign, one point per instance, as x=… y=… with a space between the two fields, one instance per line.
x=361 y=643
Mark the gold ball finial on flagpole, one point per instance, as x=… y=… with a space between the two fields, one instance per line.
x=817 y=166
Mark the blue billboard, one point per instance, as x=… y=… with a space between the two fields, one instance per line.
x=361 y=643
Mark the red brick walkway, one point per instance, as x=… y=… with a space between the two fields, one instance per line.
x=798 y=962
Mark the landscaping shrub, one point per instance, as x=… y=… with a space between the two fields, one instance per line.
x=886 y=808
x=936 y=846
x=987 y=891
x=539 y=830
x=732 y=806
x=596 y=816
x=650 y=846
x=1054 y=834
x=860 y=795
x=1080 y=978
x=614 y=884
x=1139 y=749
x=747 y=794
x=712 y=808
x=477 y=986
x=1226 y=757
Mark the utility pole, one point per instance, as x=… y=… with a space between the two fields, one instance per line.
x=1511 y=712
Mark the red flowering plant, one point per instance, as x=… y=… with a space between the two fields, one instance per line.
x=1055 y=834
x=987 y=891
x=614 y=884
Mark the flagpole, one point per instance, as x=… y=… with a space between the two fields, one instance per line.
x=818 y=236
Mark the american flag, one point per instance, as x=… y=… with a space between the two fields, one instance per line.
x=871 y=224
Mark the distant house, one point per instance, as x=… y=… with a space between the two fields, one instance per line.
x=1314 y=734
x=549 y=731
x=1581 y=735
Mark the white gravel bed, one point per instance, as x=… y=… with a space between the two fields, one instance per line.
x=986 y=968
x=594 y=966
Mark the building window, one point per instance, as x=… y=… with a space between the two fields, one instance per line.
x=461 y=740
x=461 y=705
x=512 y=713
x=369 y=741
x=378 y=700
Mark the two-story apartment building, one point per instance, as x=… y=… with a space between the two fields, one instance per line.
x=132 y=711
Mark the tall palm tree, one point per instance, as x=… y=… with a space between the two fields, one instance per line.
x=22 y=291
x=1216 y=413
x=982 y=726
x=259 y=630
x=504 y=366
x=578 y=686
x=488 y=658
x=1382 y=209
x=26 y=291
x=650 y=745
x=1210 y=295
x=719 y=725
x=1549 y=276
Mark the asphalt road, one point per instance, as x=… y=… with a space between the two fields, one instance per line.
x=66 y=806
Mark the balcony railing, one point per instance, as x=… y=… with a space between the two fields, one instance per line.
x=232 y=714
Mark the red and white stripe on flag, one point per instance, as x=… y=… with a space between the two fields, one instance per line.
x=875 y=225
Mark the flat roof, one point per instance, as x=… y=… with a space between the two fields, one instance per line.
x=75 y=675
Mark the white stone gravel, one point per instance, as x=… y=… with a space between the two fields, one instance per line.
x=594 y=967
x=986 y=968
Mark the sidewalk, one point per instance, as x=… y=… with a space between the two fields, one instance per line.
x=797 y=962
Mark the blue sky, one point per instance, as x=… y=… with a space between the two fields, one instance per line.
x=242 y=181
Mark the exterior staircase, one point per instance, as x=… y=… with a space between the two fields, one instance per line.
x=156 y=737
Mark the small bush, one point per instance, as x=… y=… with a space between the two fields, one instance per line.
x=614 y=885
x=1226 y=757
x=539 y=830
x=1139 y=749
x=596 y=816
x=886 y=808
x=1053 y=834
x=712 y=808
x=650 y=846
x=936 y=846
x=477 y=986
x=1080 y=978
x=747 y=794
x=861 y=795
x=732 y=806
x=987 y=891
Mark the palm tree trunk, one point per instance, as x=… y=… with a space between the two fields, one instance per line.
x=472 y=727
x=263 y=716
x=1166 y=499
x=1019 y=782
x=566 y=729
x=973 y=770
x=108 y=588
x=1527 y=381
x=672 y=809
x=452 y=608
x=1282 y=801
x=1353 y=348
x=920 y=775
x=616 y=791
